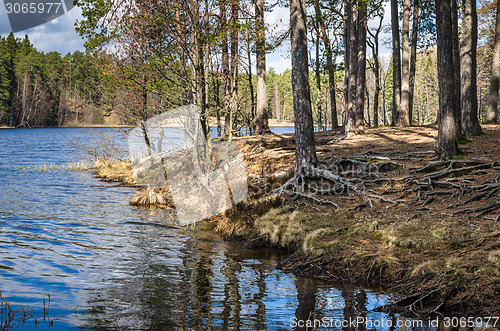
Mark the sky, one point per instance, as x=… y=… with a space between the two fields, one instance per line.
x=57 y=35
x=60 y=35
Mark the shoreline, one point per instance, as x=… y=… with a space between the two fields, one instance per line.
x=405 y=238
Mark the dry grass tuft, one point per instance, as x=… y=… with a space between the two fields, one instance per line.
x=424 y=268
x=114 y=171
x=453 y=264
x=151 y=197
x=388 y=260
x=319 y=242
x=494 y=257
x=282 y=228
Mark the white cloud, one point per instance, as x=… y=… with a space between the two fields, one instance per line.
x=57 y=35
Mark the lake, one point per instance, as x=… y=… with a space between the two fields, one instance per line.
x=76 y=256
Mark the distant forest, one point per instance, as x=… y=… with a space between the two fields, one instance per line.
x=44 y=89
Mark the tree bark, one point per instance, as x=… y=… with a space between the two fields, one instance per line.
x=317 y=74
x=396 y=64
x=260 y=52
x=470 y=122
x=305 y=154
x=226 y=73
x=456 y=63
x=330 y=66
x=413 y=58
x=183 y=71
x=253 y=113
x=492 y=115
x=376 y=70
x=447 y=125
x=361 y=75
x=405 y=66
x=352 y=70
x=347 y=55
x=277 y=102
x=233 y=29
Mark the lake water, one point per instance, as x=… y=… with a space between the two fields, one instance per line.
x=107 y=265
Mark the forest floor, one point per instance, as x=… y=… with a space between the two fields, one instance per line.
x=420 y=227
x=426 y=230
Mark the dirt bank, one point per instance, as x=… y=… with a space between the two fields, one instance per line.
x=425 y=229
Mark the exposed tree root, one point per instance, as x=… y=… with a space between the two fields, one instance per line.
x=429 y=183
x=418 y=304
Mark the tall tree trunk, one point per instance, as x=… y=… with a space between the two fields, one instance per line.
x=304 y=128
x=260 y=52
x=253 y=114
x=350 y=116
x=235 y=60
x=198 y=66
x=347 y=56
x=277 y=102
x=396 y=64
x=447 y=136
x=361 y=76
x=405 y=66
x=317 y=74
x=226 y=69
x=413 y=59
x=331 y=88
x=182 y=62
x=330 y=66
x=470 y=121
x=492 y=114
x=456 y=63
x=218 y=104
x=376 y=70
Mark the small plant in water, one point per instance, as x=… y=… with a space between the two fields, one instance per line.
x=70 y=166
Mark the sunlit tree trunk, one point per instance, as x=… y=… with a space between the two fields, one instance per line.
x=413 y=59
x=447 y=134
x=234 y=60
x=361 y=75
x=376 y=70
x=251 y=91
x=317 y=74
x=330 y=66
x=492 y=114
x=304 y=128
x=226 y=73
x=405 y=66
x=396 y=64
x=182 y=62
x=352 y=72
x=470 y=122
x=347 y=55
x=456 y=63
x=260 y=52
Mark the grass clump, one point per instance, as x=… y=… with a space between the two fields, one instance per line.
x=494 y=257
x=114 y=171
x=424 y=268
x=320 y=242
x=282 y=228
x=70 y=166
x=151 y=197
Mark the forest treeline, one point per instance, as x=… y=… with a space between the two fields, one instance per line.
x=44 y=89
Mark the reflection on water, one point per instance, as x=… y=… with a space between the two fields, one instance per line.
x=108 y=265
